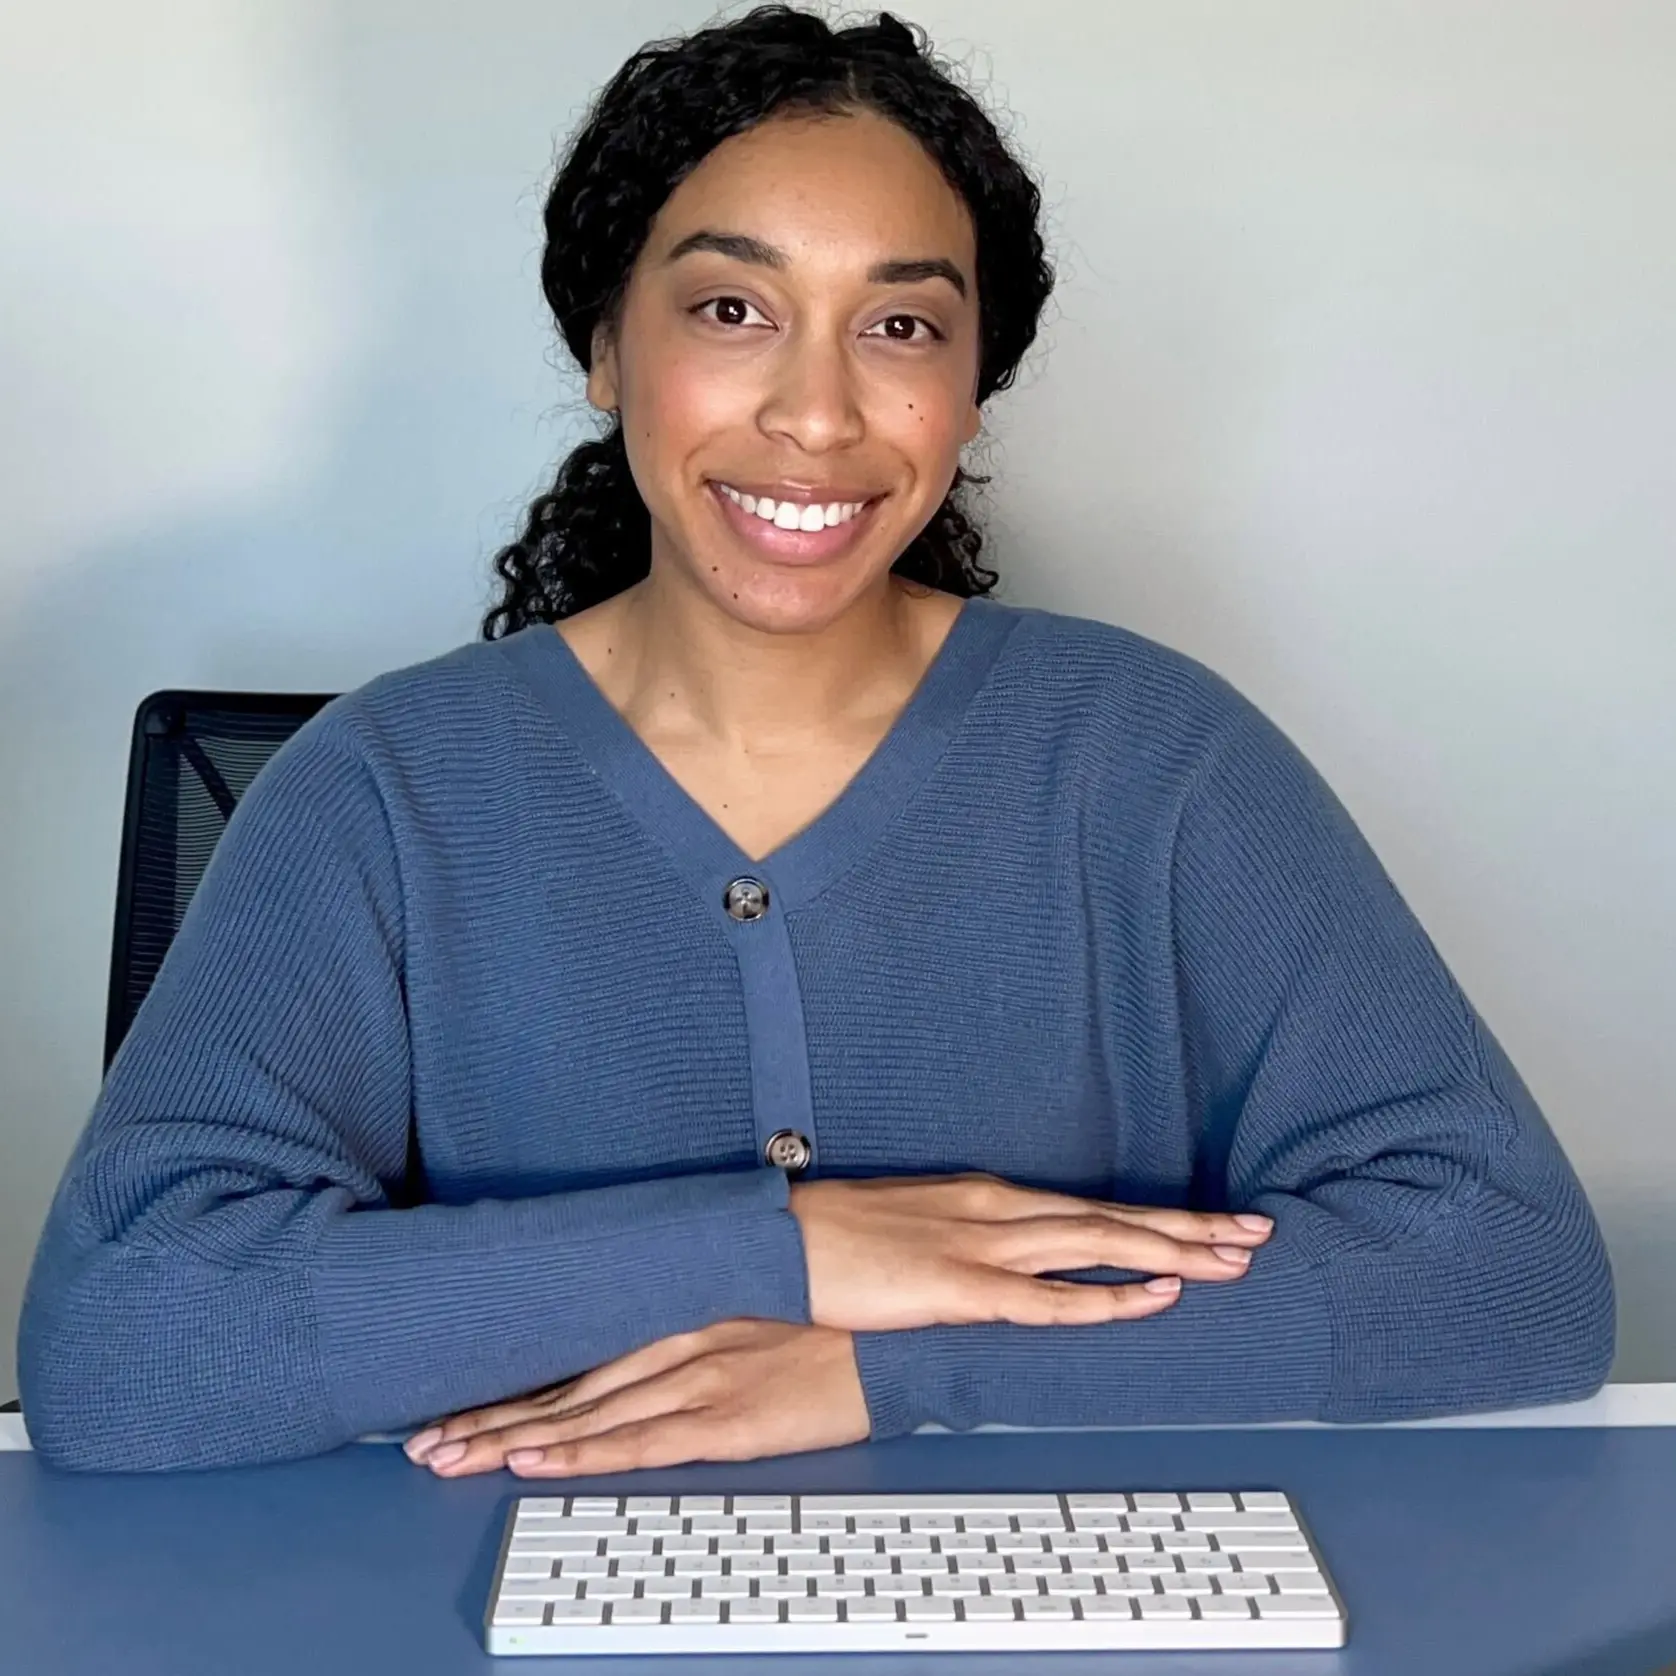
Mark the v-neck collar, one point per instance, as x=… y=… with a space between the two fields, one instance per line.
x=809 y=861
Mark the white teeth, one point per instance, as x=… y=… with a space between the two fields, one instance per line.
x=789 y=515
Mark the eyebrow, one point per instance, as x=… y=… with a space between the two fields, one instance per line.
x=741 y=247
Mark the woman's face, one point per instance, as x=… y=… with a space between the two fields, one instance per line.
x=801 y=328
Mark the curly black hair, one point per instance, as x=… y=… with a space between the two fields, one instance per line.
x=589 y=536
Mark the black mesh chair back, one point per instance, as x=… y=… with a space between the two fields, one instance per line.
x=193 y=755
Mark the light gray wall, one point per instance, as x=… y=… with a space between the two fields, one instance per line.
x=1359 y=387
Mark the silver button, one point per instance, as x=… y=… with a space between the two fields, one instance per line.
x=746 y=899
x=789 y=1150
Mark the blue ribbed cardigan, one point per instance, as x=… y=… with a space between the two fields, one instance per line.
x=1087 y=920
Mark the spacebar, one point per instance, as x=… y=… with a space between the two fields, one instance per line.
x=999 y=1503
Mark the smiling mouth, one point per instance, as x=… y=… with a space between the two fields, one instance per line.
x=793 y=532
x=808 y=516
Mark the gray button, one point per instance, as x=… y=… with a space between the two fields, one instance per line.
x=746 y=899
x=789 y=1150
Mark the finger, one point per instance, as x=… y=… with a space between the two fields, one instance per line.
x=663 y=1395
x=648 y=1360
x=669 y=1440
x=1045 y=1243
x=999 y=1296
x=993 y=1199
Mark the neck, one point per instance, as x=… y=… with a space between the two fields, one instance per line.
x=678 y=662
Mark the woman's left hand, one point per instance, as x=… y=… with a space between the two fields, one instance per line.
x=728 y=1392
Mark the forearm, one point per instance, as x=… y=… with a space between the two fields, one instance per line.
x=312 y=1323
x=1495 y=1304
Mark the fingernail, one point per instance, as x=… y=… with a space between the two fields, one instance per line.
x=525 y=1458
x=420 y=1442
x=1232 y=1254
x=1257 y=1224
x=1164 y=1283
x=447 y=1455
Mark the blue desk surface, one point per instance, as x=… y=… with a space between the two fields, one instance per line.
x=1459 y=1553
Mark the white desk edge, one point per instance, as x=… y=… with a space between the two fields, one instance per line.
x=1616 y=1405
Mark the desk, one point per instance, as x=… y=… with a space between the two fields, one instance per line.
x=358 y=1564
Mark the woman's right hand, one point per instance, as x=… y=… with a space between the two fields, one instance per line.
x=916 y=1251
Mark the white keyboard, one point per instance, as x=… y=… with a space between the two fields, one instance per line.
x=905 y=1573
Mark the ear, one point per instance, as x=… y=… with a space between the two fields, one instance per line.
x=602 y=373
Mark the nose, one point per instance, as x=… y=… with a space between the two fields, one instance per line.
x=811 y=400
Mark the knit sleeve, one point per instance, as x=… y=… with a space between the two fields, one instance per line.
x=228 y=1272
x=1433 y=1251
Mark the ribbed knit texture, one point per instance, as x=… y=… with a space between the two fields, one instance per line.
x=1119 y=939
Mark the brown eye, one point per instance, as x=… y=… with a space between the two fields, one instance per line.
x=902 y=328
x=729 y=311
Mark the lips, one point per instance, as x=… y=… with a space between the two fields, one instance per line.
x=802 y=541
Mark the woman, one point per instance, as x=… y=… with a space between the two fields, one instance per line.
x=768 y=994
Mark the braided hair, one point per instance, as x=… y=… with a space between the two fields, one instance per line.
x=588 y=537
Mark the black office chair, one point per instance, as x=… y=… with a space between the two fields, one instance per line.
x=193 y=755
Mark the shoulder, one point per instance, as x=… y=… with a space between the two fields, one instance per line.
x=1118 y=689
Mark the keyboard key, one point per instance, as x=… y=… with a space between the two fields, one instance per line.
x=594 y=1504
x=816 y=1609
x=733 y=1542
x=637 y=1612
x=767 y=1523
x=1128 y=1583
x=519 y=1613
x=584 y=1565
x=576 y=1612
x=1202 y=1502
x=712 y=1523
x=870 y=1610
x=634 y=1506
x=924 y=1565
x=754 y=1611
x=724 y=1588
x=927 y=1609
x=688 y=1506
x=1300 y=1582
x=666 y=1588
x=628 y=1545
x=753 y=1565
x=528 y=1565
x=977 y=1565
x=1007 y=1505
x=695 y=1611
x=1010 y=1585
x=697 y=1565
x=656 y=1524
x=1164 y=1606
x=684 y=1545
x=838 y=1587
x=1224 y=1607
x=642 y=1565
x=1262 y=1521
x=792 y=1542
x=957 y=1585
x=1030 y=1520
x=1154 y=1503
x=1264 y=1501
x=1071 y=1585
x=810 y=1565
x=762 y=1504
x=607 y=1588
x=1106 y=1606
x=1186 y=1583
x=1039 y=1564
x=931 y=1521
x=1296 y=1606
x=865 y=1565
x=896 y=1586
x=1048 y=1606
x=782 y=1588
x=988 y=1609
x=1244 y=1583
x=822 y=1522
x=538 y=1588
